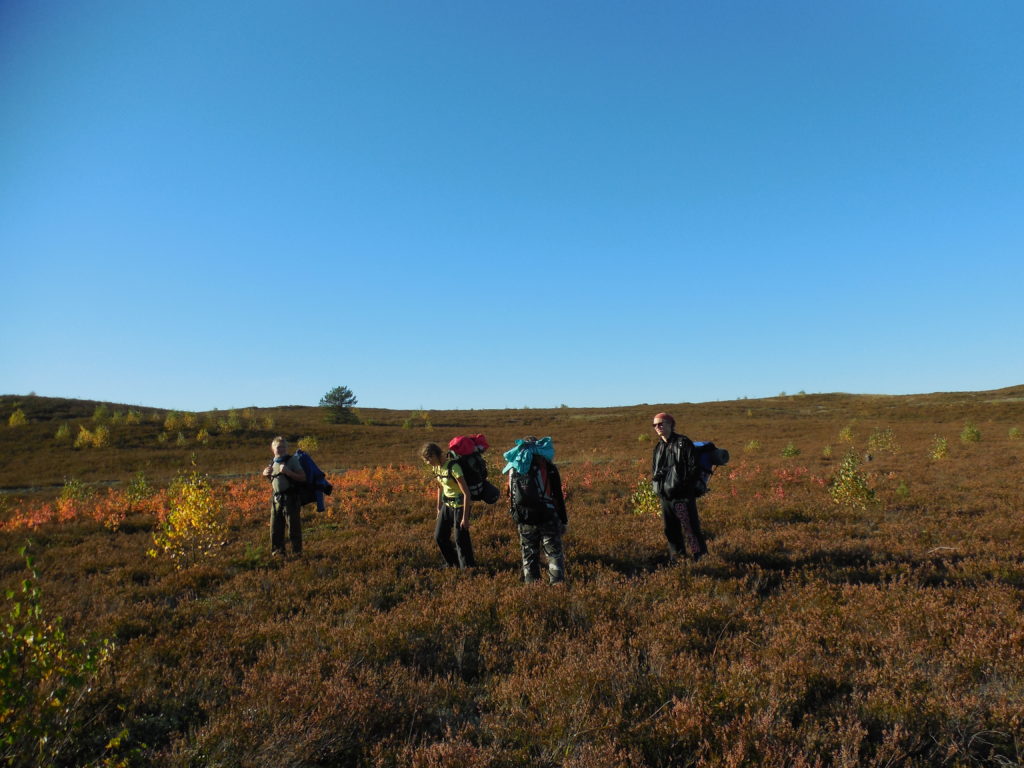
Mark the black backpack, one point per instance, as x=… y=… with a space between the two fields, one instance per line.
x=708 y=457
x=530 y=496
x=474 y=469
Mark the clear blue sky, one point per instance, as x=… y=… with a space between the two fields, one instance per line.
x=460 y=204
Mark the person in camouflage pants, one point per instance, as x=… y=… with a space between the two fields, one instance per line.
x=541 y=519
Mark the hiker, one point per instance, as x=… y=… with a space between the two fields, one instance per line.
x=469 y=450
x=537 y=505
x=453 y=505
x=674 y=474
x=285 y=473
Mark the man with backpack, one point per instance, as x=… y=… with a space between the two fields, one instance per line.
x=537 y=505
x=453 y=504
x=674 y=477
x=286 y=477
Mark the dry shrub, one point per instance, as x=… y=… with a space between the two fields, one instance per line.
x=813 y=634
x=453 y=752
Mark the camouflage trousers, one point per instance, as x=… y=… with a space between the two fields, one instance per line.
x=546 y=536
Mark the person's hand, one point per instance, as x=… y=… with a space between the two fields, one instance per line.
x=464 y=524
x=267 y=470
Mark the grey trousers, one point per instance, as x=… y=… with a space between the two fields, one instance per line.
x=285 y=507
x=546 y=536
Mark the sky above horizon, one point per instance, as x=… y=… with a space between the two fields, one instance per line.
x=466 y=205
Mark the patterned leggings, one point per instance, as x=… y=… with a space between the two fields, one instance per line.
x=682 y=528
x=547 y=535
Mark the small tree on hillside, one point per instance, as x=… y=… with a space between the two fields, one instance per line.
x=339 y=402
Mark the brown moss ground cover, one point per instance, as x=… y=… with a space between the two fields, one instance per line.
x=813 y=634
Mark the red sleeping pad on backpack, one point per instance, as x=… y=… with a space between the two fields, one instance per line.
x=467 y=444
x=468 y=451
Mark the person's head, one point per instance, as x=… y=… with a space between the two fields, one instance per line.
x=279 y=446
x=432 y=454
x=664 y=425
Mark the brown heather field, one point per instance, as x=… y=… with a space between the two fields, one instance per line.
x=815 y=633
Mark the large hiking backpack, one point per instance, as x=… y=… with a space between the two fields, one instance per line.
x=467 y=451
x=316 y=486
x=708 y=457
x=529 y=494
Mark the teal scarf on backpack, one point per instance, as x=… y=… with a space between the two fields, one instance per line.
x=520 y=457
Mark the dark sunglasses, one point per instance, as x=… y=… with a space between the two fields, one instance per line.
x=659 y=424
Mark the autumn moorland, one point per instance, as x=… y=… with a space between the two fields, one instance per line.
x=862 y=603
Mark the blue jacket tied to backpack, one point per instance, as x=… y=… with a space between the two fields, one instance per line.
x=520 y=457
x=316 y=485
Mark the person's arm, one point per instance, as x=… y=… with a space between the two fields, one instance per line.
x=558 y=494
x=439 y=500
x=692 y=469
x=299 y=476
x=657 y=474
x=467 y=502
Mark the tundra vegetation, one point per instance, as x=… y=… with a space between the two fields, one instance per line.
x=861 y=610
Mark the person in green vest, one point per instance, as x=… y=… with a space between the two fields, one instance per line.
x=453 y=506
x=285 y=473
